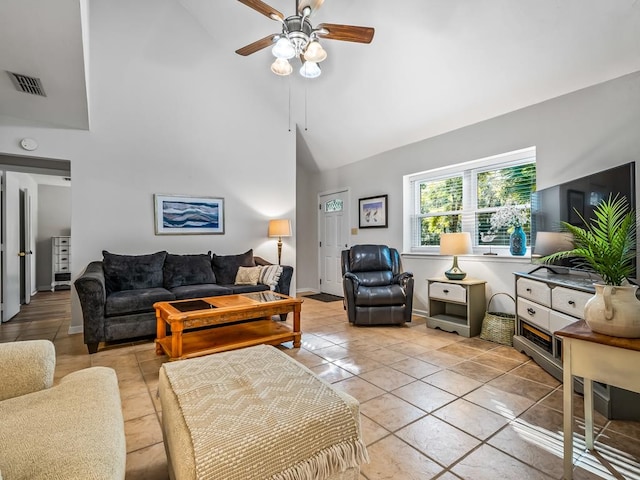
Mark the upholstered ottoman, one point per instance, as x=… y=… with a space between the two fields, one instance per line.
x=255 y=413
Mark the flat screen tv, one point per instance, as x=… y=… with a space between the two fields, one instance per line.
x=562 y=203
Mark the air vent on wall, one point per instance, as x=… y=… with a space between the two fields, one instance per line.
x=26 y=84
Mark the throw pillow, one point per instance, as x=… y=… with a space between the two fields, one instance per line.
x=225 y=267
x=131 y=272
x=269 y=275
x=182 y=270
x=248 y=275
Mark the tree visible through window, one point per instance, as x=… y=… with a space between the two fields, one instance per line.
x=464 y=198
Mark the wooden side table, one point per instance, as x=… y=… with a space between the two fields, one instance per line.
x=595 y=357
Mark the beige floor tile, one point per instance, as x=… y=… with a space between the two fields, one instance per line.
x=142 y=432
x=520 y=386
x=438 y=440
x=441 y=359
x=554 y=401
x=391 y=412
x=392 y=459
x=460 y=350
x=358 y=363
x=488 y=463
x=331 y=373
x=614 y=451
x=510 y=352
x=137 y=406
x=498 y=401
x=305 y=357
x=452 y=382
x=424 y=396
x=416 y=368
x=471 y=418
x=628 y=428
x=371 y=431
x=332 y=353
x=407 y=348
x=386 y=355
x=387 y=378
x=358 y=388
x=532 y=371
x=448 y=476
x=533 y=445
x=313 y=342
x=498 y=362
x=147 y=464
x=474 y=370
x=478 y=343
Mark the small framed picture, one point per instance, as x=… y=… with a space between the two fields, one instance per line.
x=180 y=215
x=373 y=212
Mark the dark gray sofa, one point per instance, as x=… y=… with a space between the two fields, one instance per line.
x=117 y=294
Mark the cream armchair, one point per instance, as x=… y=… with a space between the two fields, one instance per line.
x=73 y=430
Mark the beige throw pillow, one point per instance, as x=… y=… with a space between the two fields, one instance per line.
x=248 y=275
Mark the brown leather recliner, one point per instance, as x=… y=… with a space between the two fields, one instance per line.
x=376 y=291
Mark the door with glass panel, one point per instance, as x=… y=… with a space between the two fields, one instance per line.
x=334 y=237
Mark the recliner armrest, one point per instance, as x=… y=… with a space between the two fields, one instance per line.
x=402 y=278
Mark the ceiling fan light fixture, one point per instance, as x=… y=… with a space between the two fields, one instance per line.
x=283 y=49
x=315 y=52
x=281 y=67
x=310 y=70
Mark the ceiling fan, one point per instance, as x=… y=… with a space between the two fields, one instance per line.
x=299 y=38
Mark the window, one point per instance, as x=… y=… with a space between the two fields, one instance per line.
x=463 y=198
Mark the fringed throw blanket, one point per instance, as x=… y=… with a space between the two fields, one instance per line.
x=257 y=414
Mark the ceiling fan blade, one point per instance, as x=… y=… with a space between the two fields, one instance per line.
x=264 y=9
x=347 y=33
x=255 y=46
x=313 y=4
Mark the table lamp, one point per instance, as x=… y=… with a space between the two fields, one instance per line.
x=455 y=244
x=279 y=228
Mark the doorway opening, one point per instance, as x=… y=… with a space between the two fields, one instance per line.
x=35 y=206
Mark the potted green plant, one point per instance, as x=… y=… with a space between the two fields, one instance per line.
x=606 y=246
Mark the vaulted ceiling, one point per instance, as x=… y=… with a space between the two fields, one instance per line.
x=432 y=67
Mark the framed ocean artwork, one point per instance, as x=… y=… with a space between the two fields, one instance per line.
x=180 y=215
x=373 y=212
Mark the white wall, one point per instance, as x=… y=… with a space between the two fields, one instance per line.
x=54 y=219
x=575 y=135
x=165 y=120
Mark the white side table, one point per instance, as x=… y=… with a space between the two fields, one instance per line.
x=595 y=357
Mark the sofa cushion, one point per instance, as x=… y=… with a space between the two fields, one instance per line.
x=198 y=291
x=225 y=267
x=181 y=270
x=248 y=275
x=380 y=296
x=134 y=301
x=130 y=272
x=270 y=275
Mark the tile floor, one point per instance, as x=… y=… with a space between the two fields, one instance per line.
x=433 y=404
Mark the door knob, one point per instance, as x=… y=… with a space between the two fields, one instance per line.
x=22 y=254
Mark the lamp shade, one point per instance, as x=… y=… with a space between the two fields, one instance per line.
x=281 y=67
x=283 y=49
x=315 y=52
x=279 y=228
x=455 y=243
x=310 y=70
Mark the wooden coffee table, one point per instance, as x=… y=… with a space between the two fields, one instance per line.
x=239 y=321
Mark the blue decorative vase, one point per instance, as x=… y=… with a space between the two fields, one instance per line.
x=518 y=242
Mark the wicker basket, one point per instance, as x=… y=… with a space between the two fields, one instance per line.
x=498 y=327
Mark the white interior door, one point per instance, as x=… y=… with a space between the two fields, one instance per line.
x=11 y=246
x=334 y=235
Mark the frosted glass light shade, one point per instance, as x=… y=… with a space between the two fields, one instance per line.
x=310 y=70
x=281 y=67
x=283 y=49
x=315 y=52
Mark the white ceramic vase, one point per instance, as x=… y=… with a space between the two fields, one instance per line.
x=614 y=311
